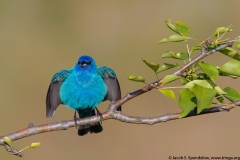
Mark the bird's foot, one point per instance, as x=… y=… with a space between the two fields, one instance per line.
x=100 y=114
x=75 y=118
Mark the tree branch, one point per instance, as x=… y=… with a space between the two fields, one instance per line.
x=111 y=113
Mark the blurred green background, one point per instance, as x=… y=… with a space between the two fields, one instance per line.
x=40 y=37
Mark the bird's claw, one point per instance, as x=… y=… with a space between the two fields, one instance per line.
x=100 y=114
x=75 y=118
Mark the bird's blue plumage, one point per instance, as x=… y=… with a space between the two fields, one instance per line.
x=61 y=75
x=82 y=88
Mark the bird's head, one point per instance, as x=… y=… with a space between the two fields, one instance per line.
x=86 y=63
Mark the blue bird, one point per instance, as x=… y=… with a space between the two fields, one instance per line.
x=82 y=88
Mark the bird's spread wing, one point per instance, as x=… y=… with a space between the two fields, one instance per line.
x=53 y=98
x=110 y=79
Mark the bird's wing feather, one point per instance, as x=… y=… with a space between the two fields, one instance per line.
x=110 y=79
x=53 y=99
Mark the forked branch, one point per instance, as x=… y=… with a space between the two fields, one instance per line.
x=111 y=113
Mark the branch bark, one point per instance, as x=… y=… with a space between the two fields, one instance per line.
x=111 y=113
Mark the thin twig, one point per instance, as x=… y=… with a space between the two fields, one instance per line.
x=13 y=150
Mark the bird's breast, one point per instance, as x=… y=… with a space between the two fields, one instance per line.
x=83 y=91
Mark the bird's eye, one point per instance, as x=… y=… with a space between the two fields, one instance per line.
x=84 y=63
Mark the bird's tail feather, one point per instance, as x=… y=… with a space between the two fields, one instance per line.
x=82 y=130
x=96 y=128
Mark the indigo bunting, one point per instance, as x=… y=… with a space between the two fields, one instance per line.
x=82 y=88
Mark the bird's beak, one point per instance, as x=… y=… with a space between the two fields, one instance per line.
x=84 y=64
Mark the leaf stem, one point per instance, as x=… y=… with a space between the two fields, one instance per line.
x=176 y=87
x=188 y=51
x=224 y=32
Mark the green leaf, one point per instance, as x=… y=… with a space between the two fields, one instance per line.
x=193 y=76
x=224 y=74
x=211 y=46
x=232 y=95
x=164 y=67
x=187 y=102
x=183 y=56
x=198 y=46
x=204 y=97
x=34 y=145
x=174 y=38
x=182 y=28
x=220 y=98
x=169 y=78
x=184 y=80
x=170 y=25
x=8 y=141
x=217 y=88
x=152 y=65
x=230 y=53
x=231 y=68
x=221 y=30
x=205 y=84
x=202 y=83
x=171 y=54
x=237 y=46
x=210 y=69
x=136 y=79
x=168 y=54
x=168 y=93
